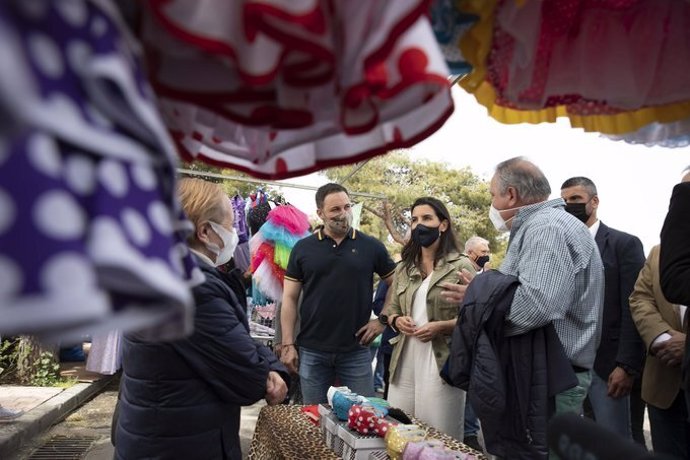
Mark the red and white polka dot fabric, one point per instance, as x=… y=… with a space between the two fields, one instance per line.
x=280 y=88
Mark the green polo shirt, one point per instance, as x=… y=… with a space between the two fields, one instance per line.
x=337 y=287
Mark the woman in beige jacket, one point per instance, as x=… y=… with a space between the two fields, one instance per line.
x=425 y=320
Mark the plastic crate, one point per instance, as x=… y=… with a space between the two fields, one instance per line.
x=329 y=429
x=357 y=446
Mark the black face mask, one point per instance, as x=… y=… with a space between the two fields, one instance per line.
x=425 y=236
x=481 y=261
x=578 y=210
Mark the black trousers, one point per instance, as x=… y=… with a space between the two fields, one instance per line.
x=670 y=428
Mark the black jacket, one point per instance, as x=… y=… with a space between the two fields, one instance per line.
x=674 y=258
x=182 y=399
x=674 y=262
x=510 y=380
x=623 y=258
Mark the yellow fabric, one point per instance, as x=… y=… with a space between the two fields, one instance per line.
x=398 y=436
x=620 y=123
x=281 y=255
x=475 y=46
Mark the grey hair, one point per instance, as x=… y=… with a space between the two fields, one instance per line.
x=525 y=177
x=474 y=241
x=582 y=181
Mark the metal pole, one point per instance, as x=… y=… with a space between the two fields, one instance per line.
x=269 y=182
x=354 y=171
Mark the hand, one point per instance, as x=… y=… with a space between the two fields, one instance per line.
x=455 y=293
x=370 y=331
x=406 y=325
x=288 y=356
x=276 y=389
x=620 y=383
x=672 y=351
x=428 y=331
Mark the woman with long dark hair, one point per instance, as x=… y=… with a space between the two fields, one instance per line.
x=430 y=258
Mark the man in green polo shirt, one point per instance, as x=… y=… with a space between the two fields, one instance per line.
x=333 y=270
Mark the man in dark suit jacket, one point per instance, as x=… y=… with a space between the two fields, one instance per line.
x=674 y=261
x=621 y=351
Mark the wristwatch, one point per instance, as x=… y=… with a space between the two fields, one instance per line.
x=383 y=319
x=631 y=371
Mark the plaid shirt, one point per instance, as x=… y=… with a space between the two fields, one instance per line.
x=561 y=276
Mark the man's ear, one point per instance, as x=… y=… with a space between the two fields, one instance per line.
x=595 y=201
x=512 y=196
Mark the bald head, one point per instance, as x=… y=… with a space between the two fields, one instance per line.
x=528 y=181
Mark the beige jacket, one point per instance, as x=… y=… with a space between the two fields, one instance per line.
x=404 y=289
x=654 y=315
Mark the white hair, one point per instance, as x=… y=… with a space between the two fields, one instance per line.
x=475 y=241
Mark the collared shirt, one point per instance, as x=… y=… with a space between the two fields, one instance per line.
x=337 y=286
x=594 y=228
x=203 y=257
x=561 y=275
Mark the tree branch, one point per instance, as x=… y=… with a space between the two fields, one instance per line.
x=385 y=215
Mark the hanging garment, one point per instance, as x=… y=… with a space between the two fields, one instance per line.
x=270 y=249
x=670 y=135
x=284 y=87
x=240 y=222
x=241 y=257
x=450 y=25
x=105 y=354
x=612 y=66
x=91 y=233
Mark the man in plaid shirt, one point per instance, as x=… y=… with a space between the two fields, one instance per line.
x=558 y=265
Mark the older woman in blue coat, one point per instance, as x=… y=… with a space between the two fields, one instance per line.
x=182 y=399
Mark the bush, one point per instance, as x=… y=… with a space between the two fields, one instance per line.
x=23 y=362
x=46 y=371
x=8 y=360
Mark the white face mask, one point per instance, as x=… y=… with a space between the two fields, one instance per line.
x=498 y=221
x=341 y=224
x=230 y=240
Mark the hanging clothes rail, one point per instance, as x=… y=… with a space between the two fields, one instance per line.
x=190 y=172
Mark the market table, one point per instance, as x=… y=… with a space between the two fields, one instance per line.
x=284 y=432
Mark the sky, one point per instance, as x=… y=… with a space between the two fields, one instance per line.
x=634 y=182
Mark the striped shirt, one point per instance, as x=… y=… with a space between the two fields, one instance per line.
x=561 y=275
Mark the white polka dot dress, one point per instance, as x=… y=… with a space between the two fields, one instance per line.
x=91 y=233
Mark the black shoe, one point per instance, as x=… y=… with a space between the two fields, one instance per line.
x=473 y=442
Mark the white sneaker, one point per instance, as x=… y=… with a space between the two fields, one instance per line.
x=7 y=414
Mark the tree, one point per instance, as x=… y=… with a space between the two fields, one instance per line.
x=402 y=180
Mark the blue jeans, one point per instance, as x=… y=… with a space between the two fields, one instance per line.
x=471 y=421
x=612 y=413
x=670 y=428
x=318 y=370
x=378 y=370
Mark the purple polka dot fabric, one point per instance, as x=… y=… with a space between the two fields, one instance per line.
x=92 y=236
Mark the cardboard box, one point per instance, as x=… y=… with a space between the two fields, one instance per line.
x=357 y=446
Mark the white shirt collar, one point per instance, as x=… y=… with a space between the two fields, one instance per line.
x=203 y=257
x=594 y=228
